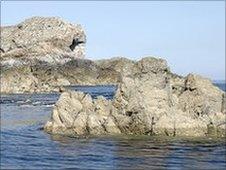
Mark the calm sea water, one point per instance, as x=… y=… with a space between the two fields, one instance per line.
x=25 y=146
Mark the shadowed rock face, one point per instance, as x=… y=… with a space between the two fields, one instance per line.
x=43 y=38
x=149 y=100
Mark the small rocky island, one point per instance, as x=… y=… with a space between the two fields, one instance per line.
x=46 y=54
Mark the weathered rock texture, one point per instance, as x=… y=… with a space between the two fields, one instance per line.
x=149 y=100
x=42 y=76
x=48 y=39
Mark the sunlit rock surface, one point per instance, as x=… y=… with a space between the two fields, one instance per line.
x=42 y=38
x=146 y=102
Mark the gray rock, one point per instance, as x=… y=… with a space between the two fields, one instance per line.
x=72 y=72
x=146 y=103
x=44 y=38
x=75 y=113
x=200 y=96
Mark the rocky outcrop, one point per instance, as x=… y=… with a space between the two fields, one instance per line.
x=41 y=54
x=45 y=77
x=149 y=100
x=200 y=96
x=47 y=39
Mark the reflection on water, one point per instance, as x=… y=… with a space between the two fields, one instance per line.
x=24 y=145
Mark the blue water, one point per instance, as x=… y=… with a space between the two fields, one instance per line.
x=221 y=85
x=24 y=145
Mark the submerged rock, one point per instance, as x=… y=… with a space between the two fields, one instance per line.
x=145 y=103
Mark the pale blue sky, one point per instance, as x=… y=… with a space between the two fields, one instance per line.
x=189 y=35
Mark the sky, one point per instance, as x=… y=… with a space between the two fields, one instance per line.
x=190 y=35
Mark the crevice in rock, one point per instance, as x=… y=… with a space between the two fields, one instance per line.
x=74 y=43
x=2 y=50
x=130 y=113
x=18 y=46
x=151 y=131
x=152 y=125
x=103 y=126
x=189 y=89
x=61 y=120
x=87 y=126
x=19 y=26
x=166 y=132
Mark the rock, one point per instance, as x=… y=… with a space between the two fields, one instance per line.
x=177 y=83
x=76 y=113
x=200 y=96
x=73 y=72
x=152 y=65
x=111 y=127
x=116 y=66
x=31 y=52
x=21 y=80
x=147 y=102
x=45 y=38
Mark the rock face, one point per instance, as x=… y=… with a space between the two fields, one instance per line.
x=149 y=100
x=48 y=39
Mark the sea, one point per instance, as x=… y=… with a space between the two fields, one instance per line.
x=24 y=145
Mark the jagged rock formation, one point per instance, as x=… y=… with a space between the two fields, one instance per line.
x=47 y=39
x=149 y=100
